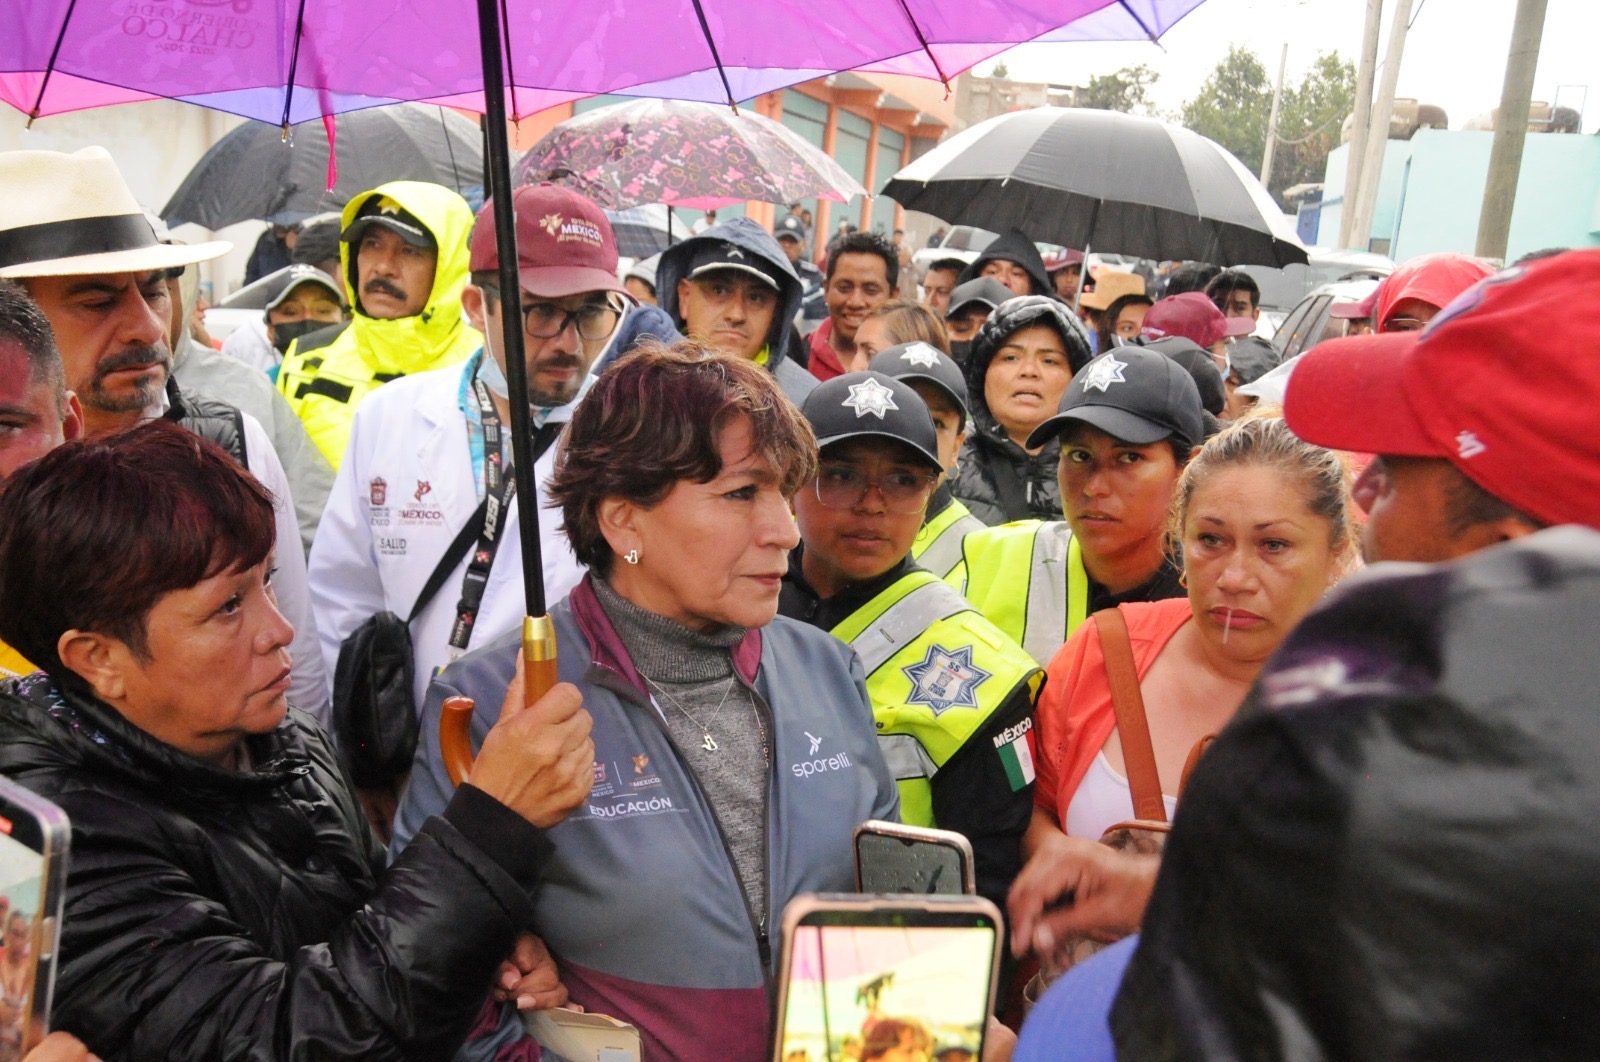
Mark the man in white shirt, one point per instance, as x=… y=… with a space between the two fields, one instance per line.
x=74 y=237
x=426 y=451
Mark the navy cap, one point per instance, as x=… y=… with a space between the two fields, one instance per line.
x=1138 y=396
x=723 y=254
x=381 y=210
x=923 y=361
x=790 y=227
x=867 y=404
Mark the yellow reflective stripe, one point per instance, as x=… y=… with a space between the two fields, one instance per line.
x=1077 y=587
x=937 y=546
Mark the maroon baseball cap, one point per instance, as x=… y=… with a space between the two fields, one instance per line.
x=565 y=245
x=1194 y=317
x=1357 y=311
x=1509 y=405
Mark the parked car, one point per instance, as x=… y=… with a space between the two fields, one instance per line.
x=965 y=242
x=1282 y=290
x=1309 y=322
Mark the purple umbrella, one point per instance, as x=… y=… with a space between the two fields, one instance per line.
x=290 y=61
x=696 y=155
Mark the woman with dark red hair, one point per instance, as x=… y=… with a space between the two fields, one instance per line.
x=225 y=898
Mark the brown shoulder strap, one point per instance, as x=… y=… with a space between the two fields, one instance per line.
x=1194 y=758
x=1138 y=755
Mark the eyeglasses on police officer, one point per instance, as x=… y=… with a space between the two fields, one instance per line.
x=843 y=487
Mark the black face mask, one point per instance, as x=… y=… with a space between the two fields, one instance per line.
x=289 y=331
x=960 y=348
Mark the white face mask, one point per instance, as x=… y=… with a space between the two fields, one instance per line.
x=495 y=380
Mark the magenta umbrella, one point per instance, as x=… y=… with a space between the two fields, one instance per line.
x=698 y=155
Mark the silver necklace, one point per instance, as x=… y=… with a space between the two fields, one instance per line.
x=707 y=742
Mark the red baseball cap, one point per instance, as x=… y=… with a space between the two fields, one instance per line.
x=1195 y=318
x=565 y=245
x=1510 y=404
x=1435 y=279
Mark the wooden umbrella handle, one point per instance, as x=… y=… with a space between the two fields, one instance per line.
x=539 y=675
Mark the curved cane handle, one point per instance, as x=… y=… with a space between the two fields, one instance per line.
x=455 y=737
x=539 y=675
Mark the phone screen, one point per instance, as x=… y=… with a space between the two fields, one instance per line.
x=907 y=992
x=897 y=864
x=21 y=895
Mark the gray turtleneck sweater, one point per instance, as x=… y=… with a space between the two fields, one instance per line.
x=688 y=674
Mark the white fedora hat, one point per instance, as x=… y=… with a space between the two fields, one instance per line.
x=72 y=215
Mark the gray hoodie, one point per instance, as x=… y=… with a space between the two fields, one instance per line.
x=748 y=236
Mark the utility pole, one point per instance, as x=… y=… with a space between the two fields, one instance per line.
x=1378 y=135
x=1272 y=121
x=1366 y=71
x=1510 y=130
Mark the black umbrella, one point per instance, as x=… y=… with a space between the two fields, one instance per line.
x=252 y=174
x=1085 y=178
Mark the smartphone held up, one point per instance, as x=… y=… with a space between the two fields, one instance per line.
x=886 y=976
x=33 y=861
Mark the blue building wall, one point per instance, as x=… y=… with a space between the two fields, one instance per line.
x=1431 y=194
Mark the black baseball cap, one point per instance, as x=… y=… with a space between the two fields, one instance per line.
x=866 y=404
x=1198 y=363
x=923 y=361
x=285 y=280
x=724 y=254
x=1136 y=395
x=382 y=210
x=984 y=291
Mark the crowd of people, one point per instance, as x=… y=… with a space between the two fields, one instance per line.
x=1015 y=548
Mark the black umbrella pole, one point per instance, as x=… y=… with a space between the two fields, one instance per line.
x=538 y=635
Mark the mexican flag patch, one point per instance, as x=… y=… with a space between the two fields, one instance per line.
x=1015 y=755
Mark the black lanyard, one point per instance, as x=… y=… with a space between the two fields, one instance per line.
x=498 y=489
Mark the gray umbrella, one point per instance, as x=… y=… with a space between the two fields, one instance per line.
x=1118 y=182
x=251 y=174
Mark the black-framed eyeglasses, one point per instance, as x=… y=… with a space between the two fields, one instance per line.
x=843 y=487
x=546 y=320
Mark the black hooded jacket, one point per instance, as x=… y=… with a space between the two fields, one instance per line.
x=998 y=480
x=1014 y=246
x=214 y=914
x=1391 y=852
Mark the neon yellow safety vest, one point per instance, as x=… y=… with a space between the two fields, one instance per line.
x=1028 y=579
x=937 y=546
x=936 y=671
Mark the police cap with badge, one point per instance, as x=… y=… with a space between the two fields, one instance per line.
x=923 y=361
x=1134 y=395
x=870 y=404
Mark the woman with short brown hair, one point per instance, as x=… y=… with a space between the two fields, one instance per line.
x=734 y=751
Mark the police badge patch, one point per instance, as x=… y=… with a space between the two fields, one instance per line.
x=945 y=679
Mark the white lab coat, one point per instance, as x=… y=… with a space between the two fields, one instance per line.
x=404 y=490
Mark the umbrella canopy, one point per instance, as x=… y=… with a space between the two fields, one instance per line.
x=279 y=61
x=252 y=174
x=641 y=231
x=1087 y=178
x=696 y=155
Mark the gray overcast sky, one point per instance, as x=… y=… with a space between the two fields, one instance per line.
x=1455 y=52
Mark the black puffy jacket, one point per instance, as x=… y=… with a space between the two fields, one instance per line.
x=215 y=914
x=998 y=480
